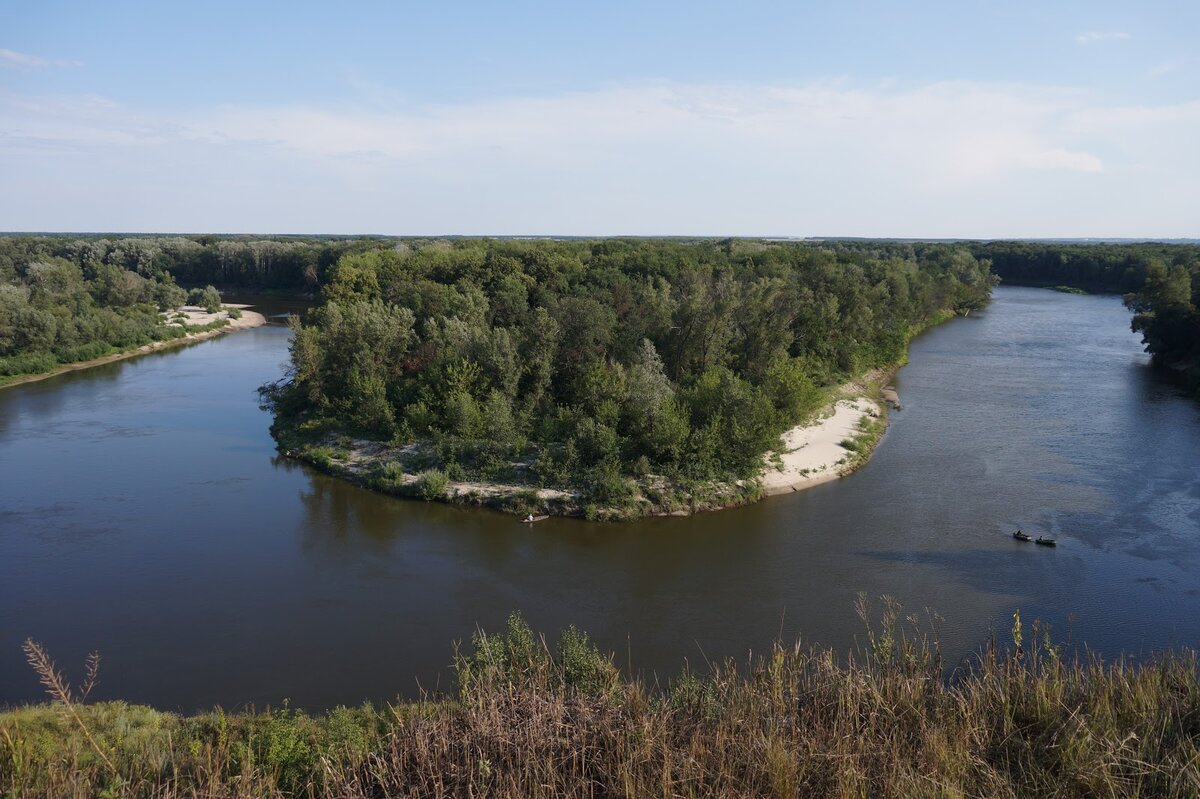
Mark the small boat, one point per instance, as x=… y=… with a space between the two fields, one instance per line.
x=532 y=519
x=1046 y=542
x=1021 y=535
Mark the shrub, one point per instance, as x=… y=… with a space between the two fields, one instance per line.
x=584 y=668
x=234 y=313
x=83 y=352
x=432 y=484
x=27 y=363
x=207 y=298
x=388 y=476
x=607 y=486
x=322 y=457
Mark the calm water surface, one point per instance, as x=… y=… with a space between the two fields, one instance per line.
x=143 y=512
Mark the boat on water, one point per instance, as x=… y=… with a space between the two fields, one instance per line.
x=1021 y=535
x=531 y=519
x=1046 y=542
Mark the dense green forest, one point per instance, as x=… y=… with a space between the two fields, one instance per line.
x=1167 y=314
x=65 y=299
x=55 y=311
x=586 y=363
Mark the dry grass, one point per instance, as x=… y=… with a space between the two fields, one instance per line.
x=531 y=722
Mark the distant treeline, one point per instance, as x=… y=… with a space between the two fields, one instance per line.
x=1115 y=268
x=602 y=360
x=1100 y=268
x=240 y=262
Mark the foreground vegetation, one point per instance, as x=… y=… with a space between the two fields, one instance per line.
x=633 y=375
x=527 y=721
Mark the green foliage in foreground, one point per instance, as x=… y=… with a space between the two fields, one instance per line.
x=530 y=720
x=586 y=363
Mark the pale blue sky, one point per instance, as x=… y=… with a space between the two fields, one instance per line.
x=974 y=119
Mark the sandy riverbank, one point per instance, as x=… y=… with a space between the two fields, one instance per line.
x=196 y=316
x=813 y=454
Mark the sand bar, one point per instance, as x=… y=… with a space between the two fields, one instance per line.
x=813 y=454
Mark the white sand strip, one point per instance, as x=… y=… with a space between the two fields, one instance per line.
x=199 y=316
x=811 y=454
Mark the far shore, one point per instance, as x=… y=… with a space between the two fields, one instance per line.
x=196 y=317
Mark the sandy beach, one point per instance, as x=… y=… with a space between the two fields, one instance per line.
x=196 y=316
x=813 y=454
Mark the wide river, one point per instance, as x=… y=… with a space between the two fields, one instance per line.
x=144 y=514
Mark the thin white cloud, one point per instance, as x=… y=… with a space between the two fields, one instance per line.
x=955 y=131
x=15 y=60
x=1095 y=37
x=1172 y=67
x=949 y=158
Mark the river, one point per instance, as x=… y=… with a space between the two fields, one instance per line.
x=144 y=514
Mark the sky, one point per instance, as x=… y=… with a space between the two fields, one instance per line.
x=965 y=119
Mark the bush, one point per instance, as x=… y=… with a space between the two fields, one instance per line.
x=207 y=298
x=83 y=352
x=607 y=486
x=584 y=668
x=321 y=457
x=432 y=484
x=234 y=313
x=388 y=476
x=27 y=364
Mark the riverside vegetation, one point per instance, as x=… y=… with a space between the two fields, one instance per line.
x=609 y=378
x=527 y=720
x=1159 y=281
x=55 y=311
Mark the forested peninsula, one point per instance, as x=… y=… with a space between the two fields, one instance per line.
x=608 y=378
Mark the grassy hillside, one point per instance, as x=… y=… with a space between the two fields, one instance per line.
x=529 y=720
